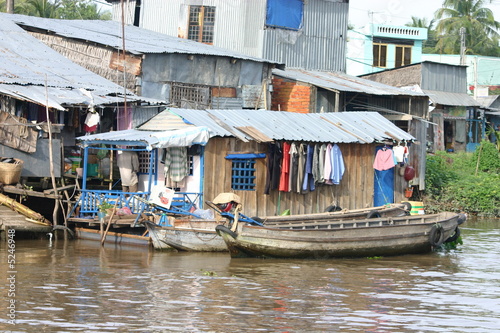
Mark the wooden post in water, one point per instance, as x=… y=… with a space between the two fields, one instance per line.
x=51 y=156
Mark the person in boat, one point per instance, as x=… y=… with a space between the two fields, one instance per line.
x=128 y=163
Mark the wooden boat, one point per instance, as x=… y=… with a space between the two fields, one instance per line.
x=186 y=234
x=395 y=209
x=342 y=238
x=117 y=238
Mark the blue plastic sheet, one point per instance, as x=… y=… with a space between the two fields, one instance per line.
x=285 y=13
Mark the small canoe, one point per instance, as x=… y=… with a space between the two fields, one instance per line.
x=384 y=236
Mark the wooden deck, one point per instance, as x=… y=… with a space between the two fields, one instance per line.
x=10 y=219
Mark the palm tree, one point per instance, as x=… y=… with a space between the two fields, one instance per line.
x=430 y=43
x=40 y=8
x=478 y=21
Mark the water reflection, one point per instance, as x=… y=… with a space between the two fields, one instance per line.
x=81 y=286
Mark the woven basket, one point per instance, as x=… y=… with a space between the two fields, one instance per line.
x=10 y=173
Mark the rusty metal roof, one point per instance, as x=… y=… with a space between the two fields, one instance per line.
x=257 y=125
x=27 y=66
x=343 y=82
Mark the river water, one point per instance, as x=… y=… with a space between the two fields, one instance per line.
x=79 y=286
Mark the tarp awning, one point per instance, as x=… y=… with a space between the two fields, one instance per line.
x=150 y=139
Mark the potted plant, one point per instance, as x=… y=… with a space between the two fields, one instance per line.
x=104 y=208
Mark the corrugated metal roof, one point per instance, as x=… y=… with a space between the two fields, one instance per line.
x=487 y=101
x=165 y=121
x=137 y=40
x=342 y=127
x=342 y=82
x=27 y=66
x=448 y=98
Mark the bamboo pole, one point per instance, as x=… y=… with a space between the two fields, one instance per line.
x=51 y=154
x=103 y=239
x=22 y=209
x=478 y=159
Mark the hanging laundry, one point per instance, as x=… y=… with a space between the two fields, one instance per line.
x=399 y=152
x=327 y=168
x=301 y=166
x=274 y=156
x=308 y=183
x=285 y=168
x=320 y=178
x=176 y=163
x=91 y=122
x=384 y=159
x=316 y=165
x=294 y=166
x=338 y=166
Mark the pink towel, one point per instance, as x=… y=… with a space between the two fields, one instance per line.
x=384 y=160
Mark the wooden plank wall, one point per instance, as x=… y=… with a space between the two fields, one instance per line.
x=354 y=191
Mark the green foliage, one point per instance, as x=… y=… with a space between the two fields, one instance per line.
x=104 y=206
x=452 y=245
x=486 y=158
x=430 y=43
x=476 y=194
x=208 y=273
x=481 y=37
x=61 y=9
x=438 y=175
x=452 y=183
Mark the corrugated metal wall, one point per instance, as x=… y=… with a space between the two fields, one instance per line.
x=322 y=42
x=442 y=77
x=239 y=26
x=116 y=10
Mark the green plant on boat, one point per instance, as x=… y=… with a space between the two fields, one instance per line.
x=104 y=206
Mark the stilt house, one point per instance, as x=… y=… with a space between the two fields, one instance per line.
x=274 y=161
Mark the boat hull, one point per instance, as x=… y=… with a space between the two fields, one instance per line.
x=197 y=237
x=113 y=237
x=363 y=238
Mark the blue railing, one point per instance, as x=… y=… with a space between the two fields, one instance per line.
x=90 y=201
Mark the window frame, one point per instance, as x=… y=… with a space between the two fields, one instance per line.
x=205 y=25
x=403 y=55
x=377 y=57
x=243 y=174
x=244 y=178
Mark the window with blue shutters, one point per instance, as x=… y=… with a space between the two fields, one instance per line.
x=243 y=175
x=243 y=171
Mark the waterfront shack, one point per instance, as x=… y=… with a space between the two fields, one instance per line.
x=247 y=150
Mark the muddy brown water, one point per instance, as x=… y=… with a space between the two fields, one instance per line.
x=79 y=286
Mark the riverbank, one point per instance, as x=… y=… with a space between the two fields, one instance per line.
x=464 y=182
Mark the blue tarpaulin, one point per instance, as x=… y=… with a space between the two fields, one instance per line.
x=285 y=13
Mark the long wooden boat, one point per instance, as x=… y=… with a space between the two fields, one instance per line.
x=187 y=234
x=394 y=209
x=342 y=238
